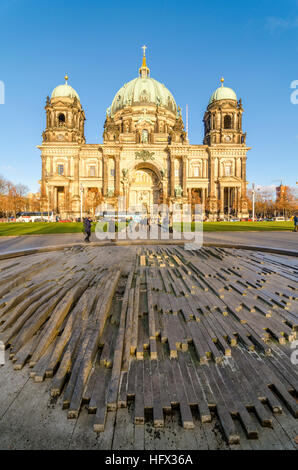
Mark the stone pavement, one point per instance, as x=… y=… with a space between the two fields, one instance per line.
x=100 y=330
x=284 y=240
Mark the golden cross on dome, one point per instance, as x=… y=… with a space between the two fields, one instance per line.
x=66 y=78
x=143 y=70
x=222 y=81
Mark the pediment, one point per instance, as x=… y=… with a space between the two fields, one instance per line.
x=229 y=179
x=60 y=178
x=61 y=104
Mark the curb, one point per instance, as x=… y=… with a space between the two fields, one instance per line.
x=46 y=249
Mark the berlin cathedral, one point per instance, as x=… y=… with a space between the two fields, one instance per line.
x=145 y=155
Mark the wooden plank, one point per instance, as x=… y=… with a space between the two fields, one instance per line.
x=139 y=415
x=186 y=416
x=158 y=418
x=112 y=394
x=101 y=404
x=148 y=394
x=205 y=415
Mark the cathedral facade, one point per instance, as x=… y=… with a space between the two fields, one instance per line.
x=145 y=155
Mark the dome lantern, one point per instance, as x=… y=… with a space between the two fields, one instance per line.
x=144 y=71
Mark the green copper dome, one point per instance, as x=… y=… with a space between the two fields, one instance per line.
x=143 y=90
x=64 y=91
x=223 y=93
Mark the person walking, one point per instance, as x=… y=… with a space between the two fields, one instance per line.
x=87 y=229
x=296 y=223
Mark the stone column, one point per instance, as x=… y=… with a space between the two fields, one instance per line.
x=243 y=176
x=172 y=190
x=203 y=197
x=43 y=176
x=212 y=175
x=184 y=163
x=105 y=175
x=117 y=175
x=243 y=169
x=236 y=201
x=76 y=174
x=239 y=200
x=55 y=198
x=222 y=199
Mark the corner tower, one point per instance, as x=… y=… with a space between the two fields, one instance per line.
x=227 y=155
x=223 y=118
x=65 y=116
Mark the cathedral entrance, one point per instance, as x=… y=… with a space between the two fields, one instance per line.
x=144 y=191
x=229 y=202
x=60 y=200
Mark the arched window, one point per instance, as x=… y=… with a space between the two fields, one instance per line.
x=61 y=118
x=227 y=122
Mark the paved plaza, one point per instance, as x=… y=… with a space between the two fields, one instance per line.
x=283 y=240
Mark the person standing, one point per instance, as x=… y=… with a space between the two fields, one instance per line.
x=87 y=229
x=149 y=222
x=296 y=223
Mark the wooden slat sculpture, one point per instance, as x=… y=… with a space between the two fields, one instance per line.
x=160 y=327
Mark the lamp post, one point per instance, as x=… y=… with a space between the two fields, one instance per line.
x=81 y=200
x=253 y=202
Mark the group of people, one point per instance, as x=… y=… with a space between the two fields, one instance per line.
x=165 y=222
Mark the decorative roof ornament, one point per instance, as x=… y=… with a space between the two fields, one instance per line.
x=144 y=155
x=222 y=81
x=144 y=71
x=66 y=78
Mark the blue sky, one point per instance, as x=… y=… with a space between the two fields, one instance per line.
x=191 y=44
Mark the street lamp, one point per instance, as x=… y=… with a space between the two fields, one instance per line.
x=253 y=202
x=81 y=200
